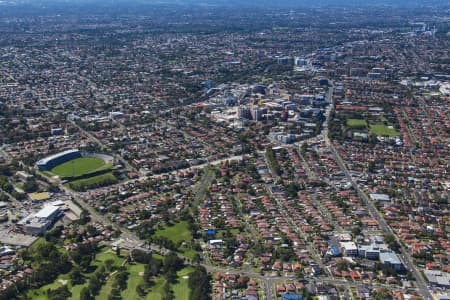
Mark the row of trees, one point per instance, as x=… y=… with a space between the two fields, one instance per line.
x=95 y=283
x=119 y=284
x=273 y=160
x=199 y=284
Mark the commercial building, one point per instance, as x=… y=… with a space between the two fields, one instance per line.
x=438 y=278
x=350 y=248
x=37 y=223
x=390 y=259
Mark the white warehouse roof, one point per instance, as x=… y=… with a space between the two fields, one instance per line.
x=46 y=211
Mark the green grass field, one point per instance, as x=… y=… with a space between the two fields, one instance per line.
x=105 y=290
x=93 y=182
x=156 y=291
x=79 y=166
x=176 y=233
x=134 y=279
x=41 y=293
x=383 y=130
x=181 y=289
x=356 y=123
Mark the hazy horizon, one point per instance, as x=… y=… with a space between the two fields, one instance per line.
x=278 y=3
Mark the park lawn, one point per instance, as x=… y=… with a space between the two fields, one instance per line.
x=181 y=288
x=78 y=166
x=383 y=130
x=356 y=123
x=133 y=280
x=176 y=233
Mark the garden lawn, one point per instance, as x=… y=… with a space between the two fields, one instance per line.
x=383 y=130
x=78 y=166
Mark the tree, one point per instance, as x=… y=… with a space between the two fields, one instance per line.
x=85 y=294
x=61 y=293
x=304 y=148
x=30 y=186
x=342 y=265
x=391 y=241
x=167 y=292
x=109 y=264
x=382 y=294
x=199 y=284
x=76 y=276
x=140 y=256
x=140 y=290
x=356 y=231
x=172 y=262
x=196 y=259
x=121 y=279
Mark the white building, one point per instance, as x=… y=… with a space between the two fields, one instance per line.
x=37 y=223
x=350 y=248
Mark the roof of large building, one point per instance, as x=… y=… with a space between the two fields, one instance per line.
x=51 y=157
x=349 y=246
x=390 y=257
x=46 y=211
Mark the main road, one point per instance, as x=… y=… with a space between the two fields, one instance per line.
x=405 y=256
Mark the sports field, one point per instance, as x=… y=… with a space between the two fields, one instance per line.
x=80 y=166
x=356 y=123
x=93 y=182
x=383 y=130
